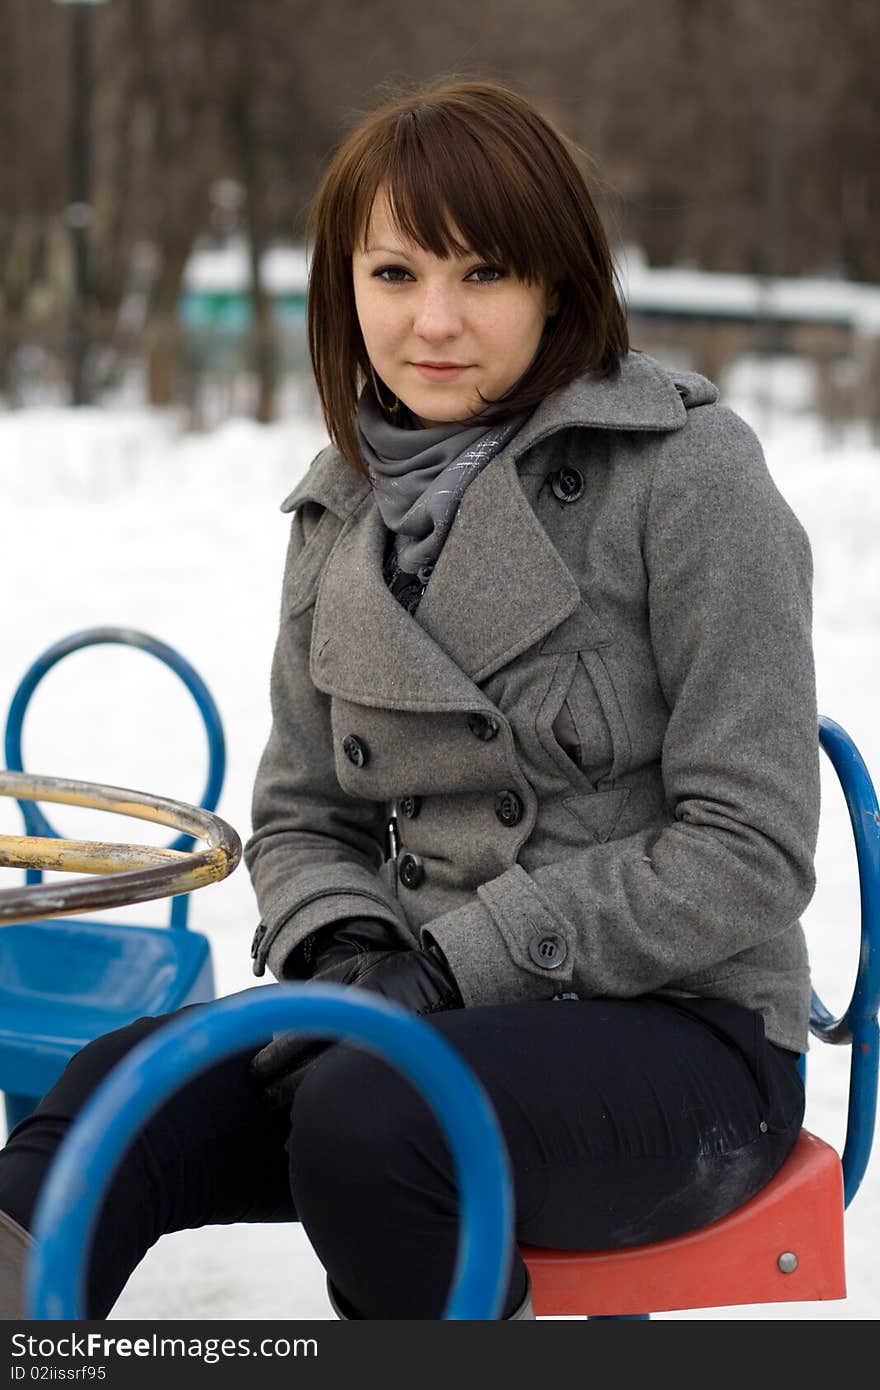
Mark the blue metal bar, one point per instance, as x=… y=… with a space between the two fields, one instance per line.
x=858 y=1025
x=72 y=1196
x=862 y=1110
x=35 y=821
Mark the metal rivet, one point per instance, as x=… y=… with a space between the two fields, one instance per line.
x=788 y=1262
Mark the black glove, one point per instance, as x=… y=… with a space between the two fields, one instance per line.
x=337 y=942
x=418 y=980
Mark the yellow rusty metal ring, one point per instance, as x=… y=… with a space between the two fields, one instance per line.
x=124 y=873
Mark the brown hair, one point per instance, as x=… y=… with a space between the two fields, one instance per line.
x=478 y=156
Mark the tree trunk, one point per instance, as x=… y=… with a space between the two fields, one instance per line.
x=163 y=335
x=247 y=144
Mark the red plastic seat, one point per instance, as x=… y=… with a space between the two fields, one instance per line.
x=734 y=1260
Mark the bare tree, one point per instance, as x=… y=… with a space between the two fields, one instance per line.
x=738 y=136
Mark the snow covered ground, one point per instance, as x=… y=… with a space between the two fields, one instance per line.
x=116 y=517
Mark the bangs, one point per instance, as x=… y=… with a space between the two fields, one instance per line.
x=453 y=191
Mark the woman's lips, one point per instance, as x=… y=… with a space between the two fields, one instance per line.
x=431 y=373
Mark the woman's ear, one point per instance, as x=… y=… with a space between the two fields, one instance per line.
x=552 y=302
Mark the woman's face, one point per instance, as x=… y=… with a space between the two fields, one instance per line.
x=439 y=331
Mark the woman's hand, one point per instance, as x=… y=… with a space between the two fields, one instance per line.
x=419 y=980
x=341 y=941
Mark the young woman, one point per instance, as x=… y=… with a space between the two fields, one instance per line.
x=543 y=764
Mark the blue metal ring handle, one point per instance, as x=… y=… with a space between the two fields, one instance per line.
x=858 y=1025
x=35 y=822
x=71 y=1199
x=864 y=814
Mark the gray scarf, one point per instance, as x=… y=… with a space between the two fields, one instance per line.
x=419 y=477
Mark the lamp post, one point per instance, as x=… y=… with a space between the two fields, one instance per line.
x=78 y=212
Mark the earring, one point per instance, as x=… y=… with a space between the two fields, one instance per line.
x=391 y=409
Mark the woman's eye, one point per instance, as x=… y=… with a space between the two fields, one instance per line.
x=389 y=274
x=492 y=273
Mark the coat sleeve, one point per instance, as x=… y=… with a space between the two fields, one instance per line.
x=315 y=851
x=729 y=574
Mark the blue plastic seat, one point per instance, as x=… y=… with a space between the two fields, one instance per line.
x=65 y=981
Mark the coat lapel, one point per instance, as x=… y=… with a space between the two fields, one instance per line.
x=366 y=647
x=499 y=585
x=485 y=604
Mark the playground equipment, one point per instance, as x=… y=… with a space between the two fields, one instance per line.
x=786 y=1244
x=62 y=981
x=69 y=1207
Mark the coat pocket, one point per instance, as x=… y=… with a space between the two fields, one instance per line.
x=572 y=723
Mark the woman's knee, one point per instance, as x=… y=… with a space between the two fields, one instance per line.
x=356 y=1117
x=93 y=1063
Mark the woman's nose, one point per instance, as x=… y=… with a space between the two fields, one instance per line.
x=438 y=315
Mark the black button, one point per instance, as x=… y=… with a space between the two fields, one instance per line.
x=411 y=870
x=410 y=596
x=484 y=726
x=567 y=484
x=508 y=808
x=548 y=951
x=355 y=750
x=409 y=806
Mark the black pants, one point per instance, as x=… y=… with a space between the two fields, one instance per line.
x=625 y=1120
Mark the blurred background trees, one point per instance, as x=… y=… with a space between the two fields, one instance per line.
x=729 y=135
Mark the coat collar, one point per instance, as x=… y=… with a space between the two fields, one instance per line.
x=485 y=604
x=645 y=396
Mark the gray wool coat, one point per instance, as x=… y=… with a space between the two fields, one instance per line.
x=626 y=561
